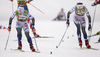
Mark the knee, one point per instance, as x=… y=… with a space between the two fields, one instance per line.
x=27 y=35
x=83 y=30
x=18 y=30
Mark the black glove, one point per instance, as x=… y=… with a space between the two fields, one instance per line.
x=89 y=28
x=67 y=23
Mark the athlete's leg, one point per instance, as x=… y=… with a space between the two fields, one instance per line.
x=26 y=29
x=79 y=34
x=78 y=30
x=19 y=34
x=83 y=24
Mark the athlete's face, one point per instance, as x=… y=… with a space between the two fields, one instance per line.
x=20 y=12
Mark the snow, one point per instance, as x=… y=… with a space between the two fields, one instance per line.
x=46 y=27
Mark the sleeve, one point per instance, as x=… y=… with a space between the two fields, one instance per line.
x=72 y=10
x=14 y=14
x=87 y=12
x=29 y=16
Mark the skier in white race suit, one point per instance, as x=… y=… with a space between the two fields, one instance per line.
x=21 y=22
x=79 y=20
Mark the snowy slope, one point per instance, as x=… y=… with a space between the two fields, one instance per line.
x=46 y=27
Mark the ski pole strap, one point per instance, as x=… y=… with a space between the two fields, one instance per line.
x=89 y=23
x=10 y=21
x=89 y=19
x=68 y=15
x=67 y=18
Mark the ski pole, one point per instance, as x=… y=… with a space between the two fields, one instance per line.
x=93 y=21
x=12 y=8
x=36 y=45
x=62 y=38
x=37 y=8
x=7 y=41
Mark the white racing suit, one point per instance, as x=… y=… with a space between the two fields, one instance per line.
x=79 y=19
x=22 y=23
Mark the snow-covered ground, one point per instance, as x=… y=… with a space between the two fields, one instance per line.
x=46 y=27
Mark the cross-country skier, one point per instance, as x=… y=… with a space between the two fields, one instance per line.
x=79 y=20
x=61 y=16
x=95 y=3
x=21 y=22
x=23 y=3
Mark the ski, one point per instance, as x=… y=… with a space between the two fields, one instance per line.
x=93 y=48
x=18 y=50
x=98 y=33
x=90 y=48
x=97 y=42
x=23 y=50
x=43 y=37
x=92 y=35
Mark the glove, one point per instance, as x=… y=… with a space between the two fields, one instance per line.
x=11 y=0
x=9 y=29
x=33 y=29
x=28 y=1
x=67 y=23
x=89 y=28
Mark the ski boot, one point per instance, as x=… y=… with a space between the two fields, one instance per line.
x=32 y=48
x=87 y=44
x=80 y=42
x=20 y=45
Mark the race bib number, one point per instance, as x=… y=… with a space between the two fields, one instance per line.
x=22 y=17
